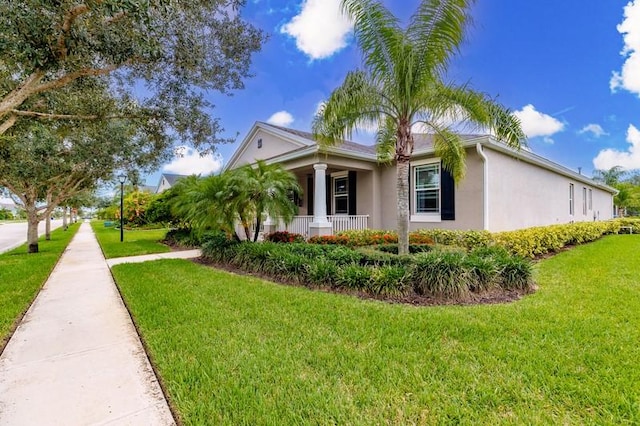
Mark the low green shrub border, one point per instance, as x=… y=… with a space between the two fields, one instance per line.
x=449 y=274
x=529 y=242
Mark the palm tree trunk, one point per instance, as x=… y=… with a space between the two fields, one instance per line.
x=402 y=186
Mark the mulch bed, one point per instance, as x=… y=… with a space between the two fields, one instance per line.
x=494 y=296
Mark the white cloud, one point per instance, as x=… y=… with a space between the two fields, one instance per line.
x=629 y=77
x=595 y=129
x=281 y=118
x=538 y=124
x=188 y=162
x=320 y=29
x=628 y=160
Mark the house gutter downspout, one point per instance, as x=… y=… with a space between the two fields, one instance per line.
x=485 y=189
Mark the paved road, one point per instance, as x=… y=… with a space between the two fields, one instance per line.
x=14 y=234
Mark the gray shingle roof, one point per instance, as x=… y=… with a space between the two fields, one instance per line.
x=171 y=178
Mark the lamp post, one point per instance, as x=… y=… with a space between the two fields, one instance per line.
x=121 y=179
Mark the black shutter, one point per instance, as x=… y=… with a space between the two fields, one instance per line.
x=447 y=195
x=352 y=192
x=310 y=195
x=328 y=188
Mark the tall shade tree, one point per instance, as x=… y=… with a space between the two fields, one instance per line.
x=45 y=166
x=158 y=57
x=402 y=85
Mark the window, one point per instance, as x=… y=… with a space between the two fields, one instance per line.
x=426 y=188
x=259 y=143
x=341 y=195
x=571 y=199
x=584 y=200
x=590 y=199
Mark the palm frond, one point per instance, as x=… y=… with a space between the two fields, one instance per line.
x=460 y=104
x=436 y=31
x=377 y=32
x=448 y=146
x=357 y=102
x=386 y=141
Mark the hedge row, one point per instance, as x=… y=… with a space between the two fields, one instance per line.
x=530 y=242
x=437 y=273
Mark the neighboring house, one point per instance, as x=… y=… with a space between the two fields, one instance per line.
x=8 y=204
x=346 y=188
x=148 y=188
x=167 y=181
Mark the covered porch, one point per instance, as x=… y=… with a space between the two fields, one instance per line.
x=337 y=197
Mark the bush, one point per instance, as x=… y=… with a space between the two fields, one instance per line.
x=343 y=256
x=389 y=280
x=482 y=272
x=440 y=273
x=413 y=248
x=515 y=273
x=355 y=277
x=284 y=237
x=322 y=272
x=373 y=257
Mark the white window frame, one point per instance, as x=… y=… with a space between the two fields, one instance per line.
x=590 y=199
x=584 y=200
x=572 y=206
x=431 y=216
x=334 y=176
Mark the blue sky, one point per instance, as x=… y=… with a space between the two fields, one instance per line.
x=569 y=69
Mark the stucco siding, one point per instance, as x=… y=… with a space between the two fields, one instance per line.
x=522 y=195
x=271 y=146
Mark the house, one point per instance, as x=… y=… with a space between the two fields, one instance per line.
x=167 y=181
x=345 y=187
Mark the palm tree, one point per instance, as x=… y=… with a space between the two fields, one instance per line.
x=204 y=203
x=611 y=176
x=402 y=86
x=265 y=189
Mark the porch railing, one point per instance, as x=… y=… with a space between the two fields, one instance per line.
x=300 y=224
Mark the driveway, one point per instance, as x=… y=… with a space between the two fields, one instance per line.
x=14 y=234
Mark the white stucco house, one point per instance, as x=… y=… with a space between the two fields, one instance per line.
x=346 y=188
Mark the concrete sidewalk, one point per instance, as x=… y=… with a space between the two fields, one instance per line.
x=185 y=254
x=76 y=358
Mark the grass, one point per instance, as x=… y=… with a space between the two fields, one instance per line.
x=22 y=275
x=136 y=242
x=238 y=350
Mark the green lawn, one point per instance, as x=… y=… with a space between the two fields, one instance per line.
x=136 y=242
x=237 y=350
x=22 y=275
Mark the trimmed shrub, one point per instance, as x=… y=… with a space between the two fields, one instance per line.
x=284 y=237
x=389 y=281
x=441 y=274
x=516 y=273
x=482 y=272
x=355 y=277
x=322 y=272
x=413 y=248
x=373 y=257
x=343 y=256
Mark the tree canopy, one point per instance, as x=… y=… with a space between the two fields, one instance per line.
x=157 y=58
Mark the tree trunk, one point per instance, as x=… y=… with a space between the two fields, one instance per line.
x=47 y=229
x=32 y=230
x=402 y=186
x=64 y=218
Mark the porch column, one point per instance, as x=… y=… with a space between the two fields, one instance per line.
x=320 y=224
x=269 y=225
